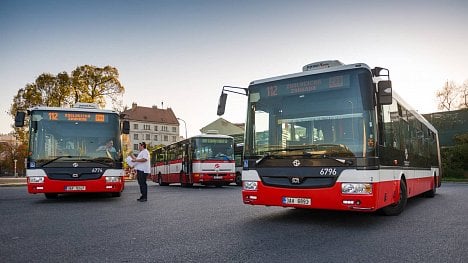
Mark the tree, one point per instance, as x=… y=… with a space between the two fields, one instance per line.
x=447 y=95
x=95 y=85
x=464 y=95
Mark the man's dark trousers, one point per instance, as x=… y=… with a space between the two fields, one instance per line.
x=141 y=177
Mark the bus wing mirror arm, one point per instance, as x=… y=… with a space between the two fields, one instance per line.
x=223 y=97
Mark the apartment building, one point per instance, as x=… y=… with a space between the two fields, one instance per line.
x=152 y=125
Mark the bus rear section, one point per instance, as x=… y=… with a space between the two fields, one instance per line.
x=202 y=159
x=74 y=150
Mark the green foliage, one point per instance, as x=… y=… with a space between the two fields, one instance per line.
x=455 y=158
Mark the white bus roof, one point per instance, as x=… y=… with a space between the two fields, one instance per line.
x=312 y=72
x=75 y=109
x=213 y=136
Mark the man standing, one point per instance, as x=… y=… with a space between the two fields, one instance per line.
x=143 y=167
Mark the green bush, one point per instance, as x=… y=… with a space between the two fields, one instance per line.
x=455 y=158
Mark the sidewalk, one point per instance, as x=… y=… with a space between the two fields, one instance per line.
x=12 y=181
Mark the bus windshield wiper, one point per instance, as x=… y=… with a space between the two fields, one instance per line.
x=56 y=158
x=269 y=155
x=343 y=161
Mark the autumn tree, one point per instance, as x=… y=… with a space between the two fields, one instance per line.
x=93 y=84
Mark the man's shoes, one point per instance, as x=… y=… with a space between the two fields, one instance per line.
x=142 y=199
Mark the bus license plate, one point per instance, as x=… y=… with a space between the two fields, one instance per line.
x=296 y=201
x=217 y=177
x=75 y=188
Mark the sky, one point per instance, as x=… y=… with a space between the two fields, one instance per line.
x=179 y=54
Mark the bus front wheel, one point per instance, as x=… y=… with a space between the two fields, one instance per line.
x=398 y=207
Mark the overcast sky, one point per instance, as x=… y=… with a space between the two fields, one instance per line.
x=181 y=53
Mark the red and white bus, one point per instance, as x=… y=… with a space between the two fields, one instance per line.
x=335 y=137
x=203 y=159
x=74 y=150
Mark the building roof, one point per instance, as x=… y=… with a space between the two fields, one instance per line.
x=150 y=114
x=223 y=126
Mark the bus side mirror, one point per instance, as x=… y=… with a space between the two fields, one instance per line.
x=385 y=92
x=222 y=104
x=125 y=127
x=19 y=119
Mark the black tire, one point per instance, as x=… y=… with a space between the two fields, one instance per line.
x=431 y=193
x=160 y=180
x=397 y=208
x=238 y=179
x=51 y=196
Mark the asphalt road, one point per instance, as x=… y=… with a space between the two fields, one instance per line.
x=207 y=224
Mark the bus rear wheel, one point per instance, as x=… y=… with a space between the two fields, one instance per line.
x=397 y=208
x=431 y=193
x=238 y=179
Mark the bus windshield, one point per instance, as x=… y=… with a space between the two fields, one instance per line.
x=69 y=136
x=323 y=114
x=213 y=149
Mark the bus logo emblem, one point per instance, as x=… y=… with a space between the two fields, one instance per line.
x=75 y=165
x=217 y=165
x=296 y=163
x=295 y=180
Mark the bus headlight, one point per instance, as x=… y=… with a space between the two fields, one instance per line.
x=112 y=179
x=354 y=188
x=36 y=179
x=249 y=185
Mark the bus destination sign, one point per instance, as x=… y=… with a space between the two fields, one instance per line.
x=76 y=116
x=302 y=86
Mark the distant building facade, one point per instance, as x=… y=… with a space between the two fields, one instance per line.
x=151 y=125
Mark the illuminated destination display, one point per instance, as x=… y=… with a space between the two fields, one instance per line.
x=301 y=85
x=75 y=116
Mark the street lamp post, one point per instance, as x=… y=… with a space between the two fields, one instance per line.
x=185 y=124
x=15 y=167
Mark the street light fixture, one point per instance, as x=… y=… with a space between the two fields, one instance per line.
x=185 y=124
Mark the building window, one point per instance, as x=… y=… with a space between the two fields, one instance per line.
x=146 y=127
x=155 y=127
x=148 y=137
x=174 y=138
x=174 y=129
x=135 y=147
x=163 y=128
x=135 y=136
x=156 y=137
x=135 y=126
x=166 y=138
